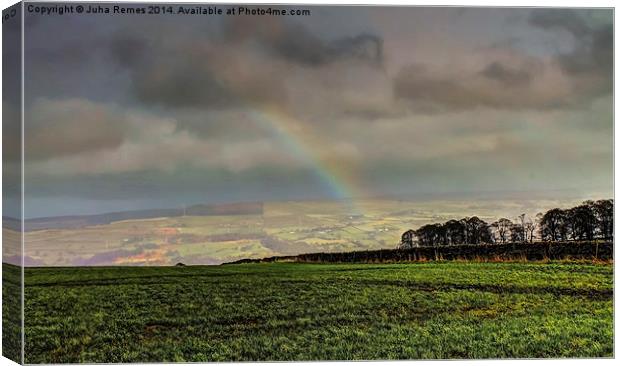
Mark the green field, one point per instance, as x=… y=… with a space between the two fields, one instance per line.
x=292 y=311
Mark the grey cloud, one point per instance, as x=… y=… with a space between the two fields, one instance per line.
x=367 y=47
x=593 y=54
x=371 y=113
x=570 y=80
x=573 y=80
x=431 y=91
x=508 y=77
x=196 y=84
x=11 y=130
x=591 y=61
x=413 y=84
x=129 y=50
x=224 y=65
x=564 y=19
x=85 y=126
x=558 y=165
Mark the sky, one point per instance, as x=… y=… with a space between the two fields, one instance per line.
x=133 y=111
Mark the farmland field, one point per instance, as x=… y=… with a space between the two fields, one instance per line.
x=292 y=311
x=284 y=228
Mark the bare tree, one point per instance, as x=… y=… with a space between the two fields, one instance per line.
x=521 y=220
x=529 y=229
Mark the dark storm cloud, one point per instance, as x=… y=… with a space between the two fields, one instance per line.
x=307 y=50
x=296 y=44
x=129 y=50
x=591 y=61
x=592 y=55
x=508 y=77
x=245 y=63
x=565 y=19
x=175 y=74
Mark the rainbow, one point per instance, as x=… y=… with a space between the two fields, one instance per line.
x=298 y=139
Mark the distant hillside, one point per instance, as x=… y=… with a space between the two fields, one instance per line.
x=11 y=223
x=79 y=221
x=232 y=209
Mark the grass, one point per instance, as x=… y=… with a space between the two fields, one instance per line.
x=434 y=310
x=11 y=312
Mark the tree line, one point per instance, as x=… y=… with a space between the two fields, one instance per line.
x=589 y=221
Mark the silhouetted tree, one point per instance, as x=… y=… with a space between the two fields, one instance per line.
x=587 y=221
x=455 y=232
x=553 y=225
x=440 y=235
x=517 y=233
x=501 y=228
x=604 y=211
x=477 y=231
x=431 y=235
x=582 y=221
x=408 y=240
